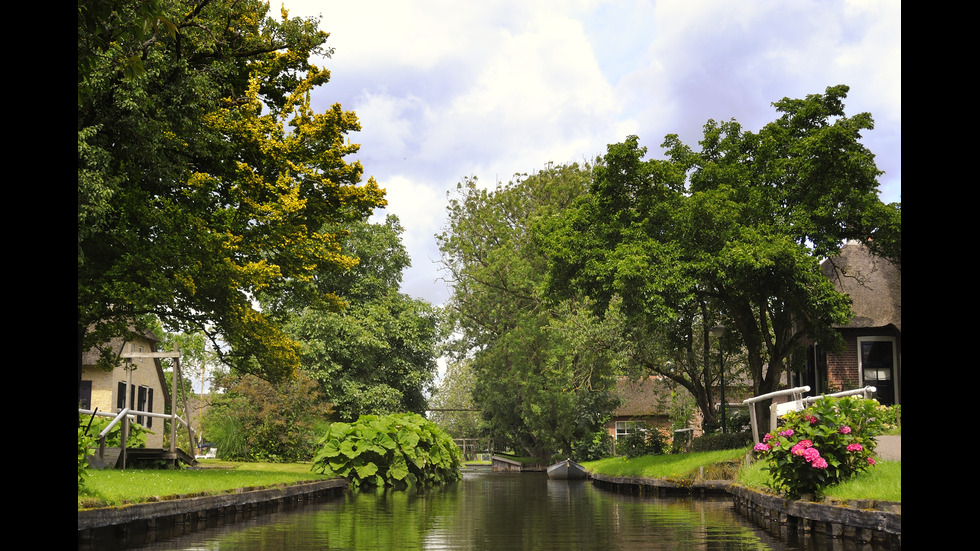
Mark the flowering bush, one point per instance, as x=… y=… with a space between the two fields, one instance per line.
x=826 y=443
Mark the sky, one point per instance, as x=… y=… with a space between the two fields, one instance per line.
x=448 y=89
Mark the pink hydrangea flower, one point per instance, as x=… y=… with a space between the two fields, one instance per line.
x=767 y=437
x=811 y=419
x=871 y=461
x=845 y=430
x=806 y=443
x=797 y=450
x=786 y=433
x=819 y=463
x=854 y=447
x=810 y=454
x=761 y=447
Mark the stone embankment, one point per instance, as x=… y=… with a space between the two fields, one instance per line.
x=140 y=523
x=858 y=521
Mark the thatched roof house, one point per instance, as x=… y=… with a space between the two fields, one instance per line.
x=873 y=337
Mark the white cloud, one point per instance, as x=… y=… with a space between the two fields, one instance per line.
x=446 y=90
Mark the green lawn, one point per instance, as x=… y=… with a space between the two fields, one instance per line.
x=674 y=466
x=114 y=487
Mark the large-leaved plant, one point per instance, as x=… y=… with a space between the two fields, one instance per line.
x=397 y=450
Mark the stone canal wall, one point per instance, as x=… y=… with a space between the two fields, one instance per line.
x=141 y=523
x=858 y=521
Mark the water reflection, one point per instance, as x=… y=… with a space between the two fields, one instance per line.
x=492 y=511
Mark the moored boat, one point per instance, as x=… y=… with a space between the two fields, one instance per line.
x=566 y=470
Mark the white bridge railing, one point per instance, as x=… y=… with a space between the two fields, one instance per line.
x=124 y=416
x=796 y=403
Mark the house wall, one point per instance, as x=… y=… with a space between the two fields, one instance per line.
x=105 y=390
x=843 y=369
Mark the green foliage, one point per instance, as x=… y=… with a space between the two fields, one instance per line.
x=456 y=392
x=642 y=441
x=890 y=416
x=731 y=233
x=592 y=447
x=828 y=442
x=137 y=433
x=377 y=356
x=85 y=441
x=254 y=420
x=398 y=450
x=204 y=175
x=543 y=369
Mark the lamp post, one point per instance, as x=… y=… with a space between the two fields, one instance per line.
x=717 y=331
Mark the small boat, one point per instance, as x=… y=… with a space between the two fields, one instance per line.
x=566 y=470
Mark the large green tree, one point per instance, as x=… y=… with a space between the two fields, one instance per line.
x=733 y=233
x=377 y=356
x=543 y=370
x=204 y=175
x=453 y=406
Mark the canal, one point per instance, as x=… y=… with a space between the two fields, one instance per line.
x=489 y=511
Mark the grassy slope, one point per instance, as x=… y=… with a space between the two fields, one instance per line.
x=883 y=482
x=677 y=466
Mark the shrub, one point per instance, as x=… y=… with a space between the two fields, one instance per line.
x=890 y=416
x=828 y=442
x=642 y=441
x=254 y=420
x=398 y=450
x=592 y=447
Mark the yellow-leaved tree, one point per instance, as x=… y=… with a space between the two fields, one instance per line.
x=205 y=177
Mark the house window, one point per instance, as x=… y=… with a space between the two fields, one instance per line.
x=625 y=427
x=141 y=404
x=140 y=399
x=149 y=406
x=121 y=395
x=85 y=395
x=876 y=365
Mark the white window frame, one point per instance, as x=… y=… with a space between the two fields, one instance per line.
x=624 y=428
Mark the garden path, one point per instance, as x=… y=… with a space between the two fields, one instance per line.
x=890 y=447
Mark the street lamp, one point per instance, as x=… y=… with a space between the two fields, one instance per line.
x=716 y=332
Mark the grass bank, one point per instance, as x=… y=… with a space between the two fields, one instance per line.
x=113 y=487
x=883 y=482
x=116 y=487
x=679 y=466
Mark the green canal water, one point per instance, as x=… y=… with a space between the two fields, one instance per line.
x=489 y=511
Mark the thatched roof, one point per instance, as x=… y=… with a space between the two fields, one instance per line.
x=91 y=356
x=873 y=283
x=649 y=396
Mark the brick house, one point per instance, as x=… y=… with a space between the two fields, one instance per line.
x=138 y=384
x=873 y=337
x=641 y=401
